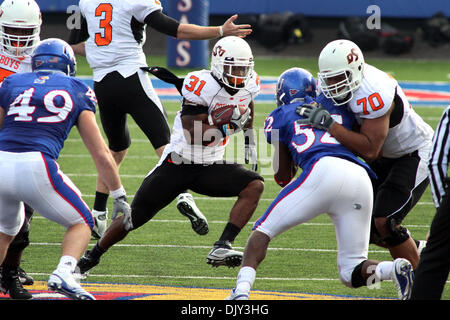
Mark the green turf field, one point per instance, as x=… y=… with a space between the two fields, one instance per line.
x=167 y=251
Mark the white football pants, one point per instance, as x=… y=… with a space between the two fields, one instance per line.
x=35 y=179
x=335 y=186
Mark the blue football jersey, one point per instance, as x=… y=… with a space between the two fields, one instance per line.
x=307 y=144
x=40 y=110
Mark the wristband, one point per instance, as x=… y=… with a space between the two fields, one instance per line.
x=224 y=129
x=118 y=192
x=221 y=31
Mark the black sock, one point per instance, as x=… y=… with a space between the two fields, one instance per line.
x=96 y=252
x=100 y=201
x=230 y=232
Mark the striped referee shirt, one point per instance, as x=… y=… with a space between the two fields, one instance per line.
x=439 y=157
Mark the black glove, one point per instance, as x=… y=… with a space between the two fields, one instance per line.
x=315 y=115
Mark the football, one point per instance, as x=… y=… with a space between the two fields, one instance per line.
x=222 y=115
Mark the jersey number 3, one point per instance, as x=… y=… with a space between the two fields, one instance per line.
x=104 y=38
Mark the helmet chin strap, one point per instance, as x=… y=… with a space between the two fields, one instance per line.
x=343 y=100
x=52 y=71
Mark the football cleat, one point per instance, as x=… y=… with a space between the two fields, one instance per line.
x=26 y=279
x=86 y=263
x=403 y=278
x=223 y=255
x=101 y=219
x=10 y=283
x=238 y=295
x=65 y=283
x=188 y=208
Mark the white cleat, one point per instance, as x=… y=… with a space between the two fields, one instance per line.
x=65 y=283
x=403 y=278
x=223 y=255
x=238 y=295
x=101 y=219
x=188 y=208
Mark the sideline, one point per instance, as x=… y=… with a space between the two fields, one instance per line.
x=432 y=94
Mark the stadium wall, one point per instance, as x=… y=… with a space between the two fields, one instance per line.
x=323 y=8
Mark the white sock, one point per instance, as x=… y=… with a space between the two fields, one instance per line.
x=67 y=264
x=245 y=279
x=384 y=269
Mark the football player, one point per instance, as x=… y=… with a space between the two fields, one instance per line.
x=392 y=138
x=194 y=157
x=38 y=110
x=333 y=181
x=20 y=24
x=112 y=37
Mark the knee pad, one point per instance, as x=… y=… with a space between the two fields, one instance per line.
x=397 y=234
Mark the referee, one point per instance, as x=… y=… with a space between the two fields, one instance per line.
x=434 y=264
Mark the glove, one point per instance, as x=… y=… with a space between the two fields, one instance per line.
x=121 y=206
x=239 y=120
x=315 y=115
x=250 y=153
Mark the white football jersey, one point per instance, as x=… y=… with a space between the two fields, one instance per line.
x=10 y=64
x=200 y=88
x=374 y=98
x=116 y=34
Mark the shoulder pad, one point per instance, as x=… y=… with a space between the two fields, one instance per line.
x=200 y=87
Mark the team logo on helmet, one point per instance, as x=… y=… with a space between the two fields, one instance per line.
x=352 y=56
x=218 y=51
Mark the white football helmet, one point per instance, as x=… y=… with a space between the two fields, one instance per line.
x=341 y=67
x=20 y=25
x=232 y=62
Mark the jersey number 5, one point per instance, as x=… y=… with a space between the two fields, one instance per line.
x=105 y=9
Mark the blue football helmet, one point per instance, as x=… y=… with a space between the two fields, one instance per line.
x=295 y=84
x=54 y=55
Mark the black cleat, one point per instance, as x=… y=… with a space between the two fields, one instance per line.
x=86 y=263
x=10 y=283
x=26 y=279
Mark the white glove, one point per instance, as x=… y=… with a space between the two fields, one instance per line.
x=238 y=120
x=250 y=152
x=121 y=205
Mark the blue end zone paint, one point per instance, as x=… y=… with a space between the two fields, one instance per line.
x=433 y=94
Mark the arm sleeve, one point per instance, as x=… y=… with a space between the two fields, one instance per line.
x=162 y=23
x=79 y=35
x=439 y=157
x=193 y=110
